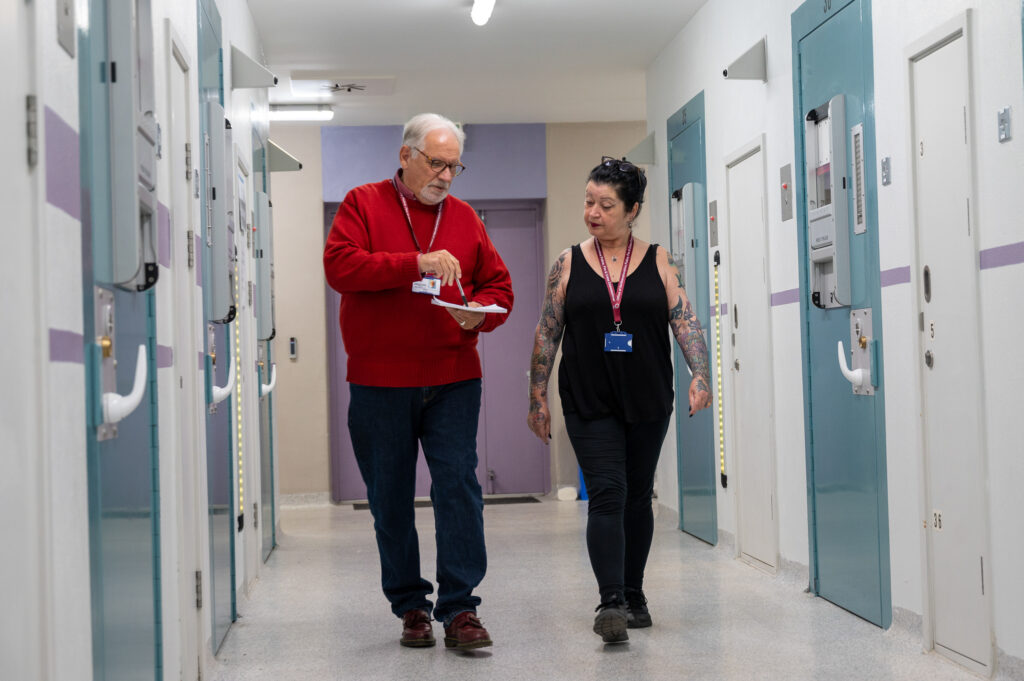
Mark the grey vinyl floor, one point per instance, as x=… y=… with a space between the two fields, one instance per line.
x=317 y=612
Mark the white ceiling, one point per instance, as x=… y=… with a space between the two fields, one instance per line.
x=535 y=61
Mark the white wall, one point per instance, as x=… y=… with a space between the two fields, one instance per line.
x=996 y=78
x=737 y=111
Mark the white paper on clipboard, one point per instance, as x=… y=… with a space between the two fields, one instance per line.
x=484 y=308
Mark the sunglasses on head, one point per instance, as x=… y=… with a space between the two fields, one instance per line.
x=621 y=165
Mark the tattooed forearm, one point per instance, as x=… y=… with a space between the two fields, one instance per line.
x=687 y=331
x=548 y=335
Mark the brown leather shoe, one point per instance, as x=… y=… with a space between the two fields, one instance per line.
x=466 y=632
x=416 y=629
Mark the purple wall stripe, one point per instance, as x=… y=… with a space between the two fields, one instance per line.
x=725 y=310
x=786 y=297
x=164 y=356
x=1001 y=256
x=63 y=176
x=202 y=361
x=897 y=275
x=66 y=346
x=163 y=224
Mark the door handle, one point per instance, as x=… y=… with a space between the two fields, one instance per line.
x=266 y=388
x=858 y=377
x=115 y=406
x=219 y=394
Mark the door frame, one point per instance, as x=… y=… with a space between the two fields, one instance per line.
x=959 y=27
x=192 y=536
x=754 y=146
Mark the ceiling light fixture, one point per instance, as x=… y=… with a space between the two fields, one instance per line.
x=301 y=112
x=481 y=11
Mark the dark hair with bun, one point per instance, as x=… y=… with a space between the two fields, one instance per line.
x=628 y=180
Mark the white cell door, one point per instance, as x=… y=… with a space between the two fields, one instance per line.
x=950 y=355
x=22 y=364
x=187 y=367
x=752 y=435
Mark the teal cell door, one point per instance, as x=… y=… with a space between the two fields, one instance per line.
x=120 y=349
x=218 y=347
x=698 y=513
x=840 y=311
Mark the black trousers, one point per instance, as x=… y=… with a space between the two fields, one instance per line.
x=618 y=461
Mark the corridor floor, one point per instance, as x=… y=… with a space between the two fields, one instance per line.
x=317 y=612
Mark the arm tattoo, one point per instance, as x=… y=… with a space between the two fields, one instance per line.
x=548 y=336
x=686 y=328
x=679 y=275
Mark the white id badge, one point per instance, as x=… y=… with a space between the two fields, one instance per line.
x=618 y=341
x=429 y=285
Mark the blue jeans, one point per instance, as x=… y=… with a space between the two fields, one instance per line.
x=385 y=425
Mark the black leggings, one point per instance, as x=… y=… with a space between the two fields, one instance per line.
x=618 y=461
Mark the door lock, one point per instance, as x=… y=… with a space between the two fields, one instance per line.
x=929 y=358
x=106 y=346
x=736 y=364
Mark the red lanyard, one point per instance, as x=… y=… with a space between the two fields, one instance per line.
x=615 y=294
x=408 y=220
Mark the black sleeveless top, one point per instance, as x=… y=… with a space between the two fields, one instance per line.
x=635 y=387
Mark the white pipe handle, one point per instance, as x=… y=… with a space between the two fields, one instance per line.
x=219 y=394
x=115 y=406
x=267 y=387
x=857 y=376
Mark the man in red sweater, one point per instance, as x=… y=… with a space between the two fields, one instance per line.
x=414 y=373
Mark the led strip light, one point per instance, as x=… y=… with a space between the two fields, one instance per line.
x=238 y=400
x=718 y=362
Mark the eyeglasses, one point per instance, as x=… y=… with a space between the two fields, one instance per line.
x=438 y=166
x=621 y=165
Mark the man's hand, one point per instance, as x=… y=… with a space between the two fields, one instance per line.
x=441 y=263
x=467 y=320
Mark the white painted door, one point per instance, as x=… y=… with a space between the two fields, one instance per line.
x=950 y=356
x=187 y=367
x=22 y=365
x=752 y=360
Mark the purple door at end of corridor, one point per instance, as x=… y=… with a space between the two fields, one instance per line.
x=512 y=460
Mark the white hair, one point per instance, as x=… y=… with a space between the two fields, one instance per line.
x=419 y=126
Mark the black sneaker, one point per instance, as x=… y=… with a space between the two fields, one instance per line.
x=637 y=616
x=610 y=623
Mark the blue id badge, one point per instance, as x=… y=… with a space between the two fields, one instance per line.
x=618 y=341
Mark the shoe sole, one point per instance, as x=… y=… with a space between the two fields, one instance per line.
x=419 y=643
x=454 y=643
x=611 y=627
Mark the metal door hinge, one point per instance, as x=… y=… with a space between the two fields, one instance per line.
x=188 y=161
x=32 y=130
x=199 y=589
x=190 y=237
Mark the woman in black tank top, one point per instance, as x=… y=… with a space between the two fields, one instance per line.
x=611 y=302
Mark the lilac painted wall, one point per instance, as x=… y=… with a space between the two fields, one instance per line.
x=507 y=161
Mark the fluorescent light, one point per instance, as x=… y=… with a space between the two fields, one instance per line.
x=301 y=112
x=481 y=11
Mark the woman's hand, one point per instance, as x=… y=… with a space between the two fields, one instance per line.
x=700 y=395
x=539 y=418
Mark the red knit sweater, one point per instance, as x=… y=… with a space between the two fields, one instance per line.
x=394 y=337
